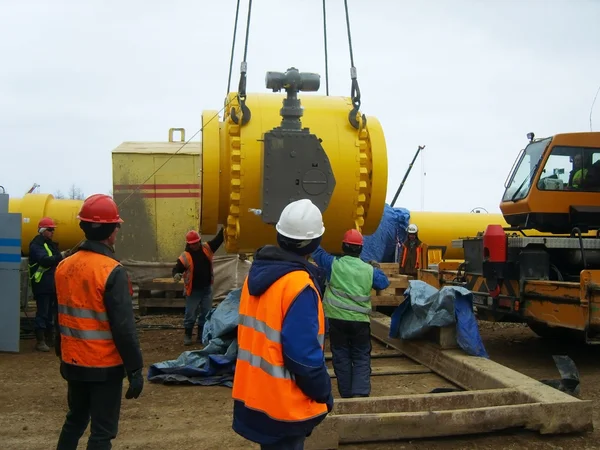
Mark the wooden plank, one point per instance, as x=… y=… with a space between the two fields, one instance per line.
x=353 y=428
x=430 y=402
x=374 y=355
x=412 y=369
x=387 y=300
x=154 y=302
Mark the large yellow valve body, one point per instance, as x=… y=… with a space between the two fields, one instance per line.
x=232 y=169
x=64 y=213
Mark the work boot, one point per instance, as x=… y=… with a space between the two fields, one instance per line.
x=41 y=345
x=187 y=339
x=49 y=335
x=199 y=337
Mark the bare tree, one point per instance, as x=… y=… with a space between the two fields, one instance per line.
x=76 y=193
x=58 y=194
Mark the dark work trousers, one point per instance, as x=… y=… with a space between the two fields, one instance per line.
x=99 y=401
x=46 y=307
x=289 y=443
x=351 y=356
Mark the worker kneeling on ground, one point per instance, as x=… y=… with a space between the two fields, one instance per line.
x=196 y=265
x=98 y=338
x=413 y=254
x=347 y=305
x=44 y=256
x=281 y=387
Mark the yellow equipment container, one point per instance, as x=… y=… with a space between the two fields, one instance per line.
x=64 y=213
x=158 y=209
x=234 y=170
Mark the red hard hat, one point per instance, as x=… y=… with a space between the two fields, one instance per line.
x=353 y=237
x=99 y=208
x=192 y=237
x=46 y=222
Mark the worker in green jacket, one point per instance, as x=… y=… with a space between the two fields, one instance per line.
x=347 y=307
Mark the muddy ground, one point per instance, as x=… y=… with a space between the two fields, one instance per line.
x=33 y=398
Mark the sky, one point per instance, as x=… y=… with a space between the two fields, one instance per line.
x=468 y=79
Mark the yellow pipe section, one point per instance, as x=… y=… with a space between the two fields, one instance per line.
x=232 y=169
x=438 y=229
x=64 y=213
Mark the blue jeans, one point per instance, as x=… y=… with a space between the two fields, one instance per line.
x=46 y=308
x=288 y=443
x=197 y=307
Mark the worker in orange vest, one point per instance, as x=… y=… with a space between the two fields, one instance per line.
x=413 y=254
x=98 y=344
x=195 y=265
x=281 y=387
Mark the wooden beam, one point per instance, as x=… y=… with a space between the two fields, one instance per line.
x=413 y=369
x=430 y=402
x=374 y=355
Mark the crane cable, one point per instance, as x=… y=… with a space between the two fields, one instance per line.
x=325 y=45
x=241 y=94
x=235 y=24
x=355 y=89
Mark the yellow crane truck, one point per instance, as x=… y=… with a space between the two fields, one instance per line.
x=550 y=280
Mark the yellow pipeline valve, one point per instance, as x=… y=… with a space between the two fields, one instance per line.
x=64 y=213
x=234 y=186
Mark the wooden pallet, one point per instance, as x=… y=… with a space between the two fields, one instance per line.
x=494 y=398
x=160 y=293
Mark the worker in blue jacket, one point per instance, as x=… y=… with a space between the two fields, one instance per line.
x=44 y=256
x=347 y=306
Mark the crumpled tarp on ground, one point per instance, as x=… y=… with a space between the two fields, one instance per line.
x=230 y=273
x=426 y=307
x=381 y=245
x=215 y=363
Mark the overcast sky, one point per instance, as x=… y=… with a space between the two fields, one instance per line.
x=468 y=79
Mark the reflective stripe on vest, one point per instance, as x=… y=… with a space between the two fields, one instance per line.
x=37 y=275
x=261 y=380
x=86 y=337
x=348 y=306
x=188 y=262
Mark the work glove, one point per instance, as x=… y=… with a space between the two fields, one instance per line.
x=177 y=277
x=65 y=253
x=136 y=384
x=375 y=264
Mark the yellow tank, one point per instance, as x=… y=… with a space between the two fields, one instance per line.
x=64 y=213
x=235 y=177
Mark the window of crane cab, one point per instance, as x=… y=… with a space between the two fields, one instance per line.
x=571 y=168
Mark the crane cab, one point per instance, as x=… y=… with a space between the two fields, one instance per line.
x=554 y=185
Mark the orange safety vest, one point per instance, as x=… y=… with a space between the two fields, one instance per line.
x=85 y=336
x=417 y=259
x=261 y=380
x=188 y=263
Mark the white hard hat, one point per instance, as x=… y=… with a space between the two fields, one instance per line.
x=301 y=220
x=412 y=228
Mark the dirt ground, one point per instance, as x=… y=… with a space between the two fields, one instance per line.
x=33 y=398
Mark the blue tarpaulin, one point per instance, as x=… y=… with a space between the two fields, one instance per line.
x=426 y=307
x=215 y=363
x=381 y=245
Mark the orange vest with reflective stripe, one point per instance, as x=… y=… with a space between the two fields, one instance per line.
x=418 y=256
x=188 y=263
x=85 y=336
x=261 y=380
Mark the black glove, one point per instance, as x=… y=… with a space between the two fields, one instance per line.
x=375 y=264
x=136 y=384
